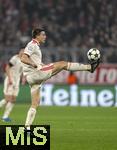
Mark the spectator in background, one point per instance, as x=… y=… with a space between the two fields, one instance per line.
x=72 y=78
x=111 y=56
x=94 y=21
x=71 y=25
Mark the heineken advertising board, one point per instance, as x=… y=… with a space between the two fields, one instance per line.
x=82 y=95
x=74 y=95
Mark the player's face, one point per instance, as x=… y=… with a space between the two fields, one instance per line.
x=42 y=37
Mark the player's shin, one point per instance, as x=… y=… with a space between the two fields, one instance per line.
x=78 y=67
x=30 y=117
x=8 y=109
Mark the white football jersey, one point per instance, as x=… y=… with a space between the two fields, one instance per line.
x=16 y=70
x=33 y=50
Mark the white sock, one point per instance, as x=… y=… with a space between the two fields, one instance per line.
x=78 y=67
x=8 y=109
x=30 y=116
x=2 y=102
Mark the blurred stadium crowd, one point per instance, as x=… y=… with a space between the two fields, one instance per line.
x=72 y=25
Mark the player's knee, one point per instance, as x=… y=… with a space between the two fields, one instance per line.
x=35 y=104
x=13 y=101
x=63 y=64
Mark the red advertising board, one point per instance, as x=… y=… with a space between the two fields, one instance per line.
x=104 y=74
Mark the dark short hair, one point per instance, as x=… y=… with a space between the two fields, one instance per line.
x=36 y=32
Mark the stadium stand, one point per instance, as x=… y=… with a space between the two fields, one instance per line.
x=72 y=28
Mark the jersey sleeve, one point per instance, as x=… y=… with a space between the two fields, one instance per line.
x=13 y=60
x=29 y=50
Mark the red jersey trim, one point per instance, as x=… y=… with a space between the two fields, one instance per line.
x=47 y=67
x=35 y=41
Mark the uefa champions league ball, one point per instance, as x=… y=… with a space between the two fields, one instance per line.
x=93 y=54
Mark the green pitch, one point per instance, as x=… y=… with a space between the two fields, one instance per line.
x=75 y=128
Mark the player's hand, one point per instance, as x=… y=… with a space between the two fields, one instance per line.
x=34 y=65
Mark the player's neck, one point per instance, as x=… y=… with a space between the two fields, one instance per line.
x=36 y=41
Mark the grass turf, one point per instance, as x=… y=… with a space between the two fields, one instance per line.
x=74 y=128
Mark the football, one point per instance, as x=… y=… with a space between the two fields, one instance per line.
x=93 y=54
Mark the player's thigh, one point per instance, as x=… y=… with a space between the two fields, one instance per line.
x=13 y=98
x=35 y=96
x=10 y=90
x=59 y=66
x=8 y=98
x=39 y=76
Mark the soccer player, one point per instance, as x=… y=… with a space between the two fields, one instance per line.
x=11 y=84
x=36 y=72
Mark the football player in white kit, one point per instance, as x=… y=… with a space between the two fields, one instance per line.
x=36 y=72
x=11 y=84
